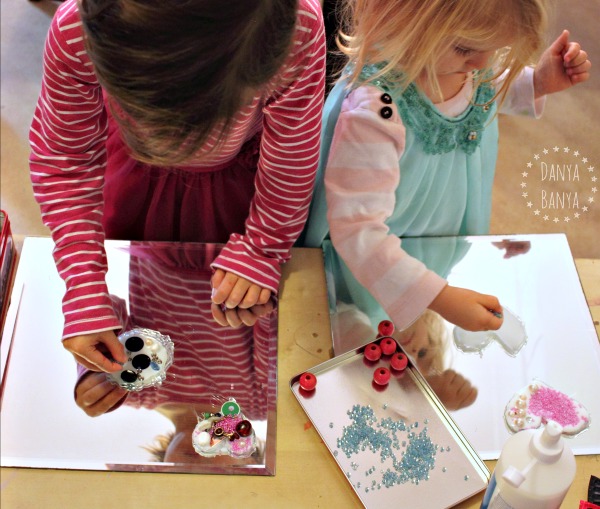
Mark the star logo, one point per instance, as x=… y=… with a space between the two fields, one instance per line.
x=567 y=188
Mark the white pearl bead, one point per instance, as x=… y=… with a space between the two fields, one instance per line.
x=203 y=439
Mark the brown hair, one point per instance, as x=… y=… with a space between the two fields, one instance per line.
x=409 y=35
x=178 y=70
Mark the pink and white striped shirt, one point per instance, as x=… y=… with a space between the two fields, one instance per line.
x=169 y=291
x=68 y=160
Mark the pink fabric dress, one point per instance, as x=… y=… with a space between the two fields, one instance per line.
x=252 y=192
x=189 y=204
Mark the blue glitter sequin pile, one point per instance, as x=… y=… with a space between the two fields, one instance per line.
x=418 y=452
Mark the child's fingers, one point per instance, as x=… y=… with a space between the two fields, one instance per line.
x=579 y=78
x=571 y=52
x=115 y=349
x=238 y=292
x=227 y=318
x=88 y=365
x=230 y=290
x=94 y=393
x=251 y=298
x=255 y=296
x=581 y=67
x=467 y=395
x=492 y=320
x=558 y=46
x=102 y=398
x=491 y=303
x=219 y=315
x=87 y=382
x=265 y=296
x=102 y=363
x=233 y=317
x=247 y=316
x=94 y=352
x=235 y=291
x=222 y=284
x=217 y=278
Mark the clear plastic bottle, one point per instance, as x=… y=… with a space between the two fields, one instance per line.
x=534 y=471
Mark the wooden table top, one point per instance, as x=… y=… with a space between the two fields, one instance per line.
x=307 y=476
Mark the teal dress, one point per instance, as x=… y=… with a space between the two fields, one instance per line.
x=447 y=171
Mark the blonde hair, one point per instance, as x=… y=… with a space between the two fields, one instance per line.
x=439 y=340
x=158 y=449
x=410 y=35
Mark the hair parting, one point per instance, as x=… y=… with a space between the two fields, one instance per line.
x=178 y=72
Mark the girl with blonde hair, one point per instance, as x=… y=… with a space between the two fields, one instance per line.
x=410 y=141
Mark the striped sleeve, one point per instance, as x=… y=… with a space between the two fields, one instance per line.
x=361 y=180
x=289 y=155
x=67 y=162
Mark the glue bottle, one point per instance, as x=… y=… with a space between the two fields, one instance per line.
x=534 y=471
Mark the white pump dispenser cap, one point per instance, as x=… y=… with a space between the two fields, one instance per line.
x=545 y=445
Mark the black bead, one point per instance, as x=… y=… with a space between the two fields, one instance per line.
x=386 y=112
x=386 y=98
x=134 y=344
x=141 y=361
x=128 y=376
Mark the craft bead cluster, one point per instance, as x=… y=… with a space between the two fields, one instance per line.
x=412 y=457
x=385 y=345
x=226 y=432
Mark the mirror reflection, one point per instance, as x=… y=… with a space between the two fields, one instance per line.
x=547 y=333
x=92 y=423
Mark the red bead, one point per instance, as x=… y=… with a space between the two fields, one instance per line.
x=244 y=428
x=308 y=381
x=373 y=352
x=385 y=328
x=388 y=346
x=399 y=361
x=381 y=376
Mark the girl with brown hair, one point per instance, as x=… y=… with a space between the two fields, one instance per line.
x=190 y=120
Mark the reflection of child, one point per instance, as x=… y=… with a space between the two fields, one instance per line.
x=427 y=343
x=176 y=121
x=210 y=361
x=513 y=247
x=410 y=139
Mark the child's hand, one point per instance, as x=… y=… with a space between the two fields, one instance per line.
x=453 y=389
x=95 y=395
x=98 y=351
x=235 y=291
x=238 y=316
x=513 y=247
x=561 y=66
x=469 y=310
